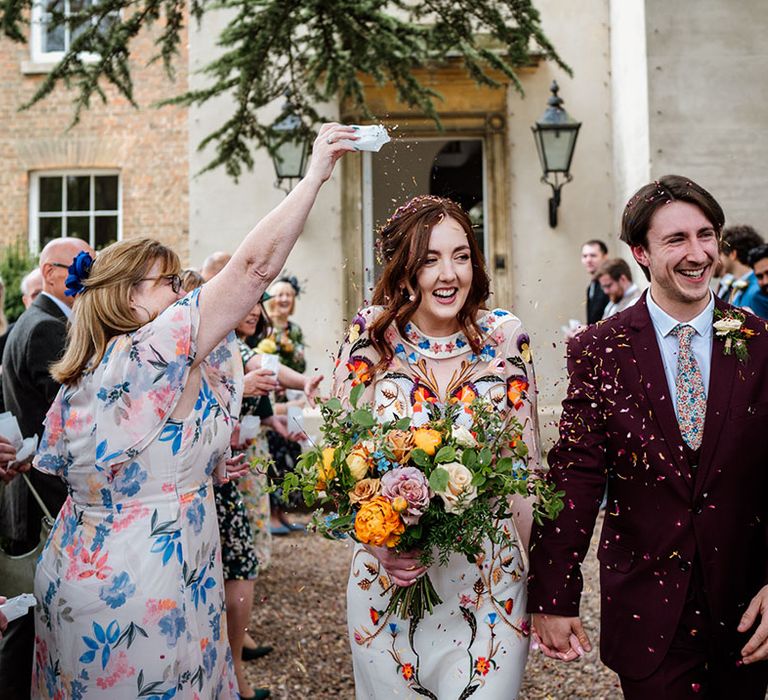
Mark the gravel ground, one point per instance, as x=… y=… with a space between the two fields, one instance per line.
x=299 y=610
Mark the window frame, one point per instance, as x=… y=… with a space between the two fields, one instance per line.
x=367 y=195
x=36 y=38
x=34 y=202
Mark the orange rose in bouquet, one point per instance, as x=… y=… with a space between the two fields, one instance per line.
x=378 y=524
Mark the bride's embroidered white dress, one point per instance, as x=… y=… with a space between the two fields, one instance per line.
x=476 y=642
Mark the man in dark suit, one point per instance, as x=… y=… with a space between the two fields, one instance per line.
x=671 y=411
x=593 y=254
x=36 y=341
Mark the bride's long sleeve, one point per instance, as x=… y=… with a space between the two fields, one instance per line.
x=522 y=401
x=356 y=359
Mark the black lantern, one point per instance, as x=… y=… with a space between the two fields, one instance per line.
x=555 y=134
x=290 y=146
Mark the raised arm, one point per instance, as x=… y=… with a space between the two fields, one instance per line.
x=227 y=298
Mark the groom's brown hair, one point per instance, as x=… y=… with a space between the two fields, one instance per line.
x=648 y=199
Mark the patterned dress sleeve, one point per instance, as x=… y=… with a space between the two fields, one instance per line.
x=522 y=397
x=120 y=406
x=356 y=359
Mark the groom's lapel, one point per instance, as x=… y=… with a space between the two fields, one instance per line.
x=642 y=338
x=722 y=373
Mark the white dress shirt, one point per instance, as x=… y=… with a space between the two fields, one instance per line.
x=629 y=299
x=701 y=342
x=64 y=308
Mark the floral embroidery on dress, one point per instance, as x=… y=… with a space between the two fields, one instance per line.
x=483 y=615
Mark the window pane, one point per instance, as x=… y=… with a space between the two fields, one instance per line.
x=50 y=228
x=106 y=193
x=78 y=226
x=50 y=193
x=53 y=36
x=106 y=231
x=78 y=193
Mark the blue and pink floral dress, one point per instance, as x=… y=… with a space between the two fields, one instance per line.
x=129 y=586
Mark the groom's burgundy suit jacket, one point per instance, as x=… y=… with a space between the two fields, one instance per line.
x=619 y=424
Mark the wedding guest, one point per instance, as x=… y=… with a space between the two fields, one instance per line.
x=287 y=341
x=671 y=415
x=758 y=261
x=7 y=472
x=735 y=245
x=31 y=285
x=429 y=338
x=150 y=391
x=238 y=552
x=615 y=280
x=593 y=254
x=37 y=340
x=214 y=264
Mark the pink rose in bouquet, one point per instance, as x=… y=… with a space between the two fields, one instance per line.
x=410 y=484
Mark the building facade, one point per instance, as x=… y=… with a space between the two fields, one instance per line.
x=659 y=87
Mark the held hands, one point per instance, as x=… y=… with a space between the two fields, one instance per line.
x=559 y=637
x=403 y=568
x=756 y=649
x=329 y=146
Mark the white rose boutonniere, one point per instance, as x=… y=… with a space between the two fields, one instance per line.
x=729 y=327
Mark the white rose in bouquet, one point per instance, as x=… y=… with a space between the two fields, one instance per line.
x=463 y=436
x=459 y=492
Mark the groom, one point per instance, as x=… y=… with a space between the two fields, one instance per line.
x=676 y=424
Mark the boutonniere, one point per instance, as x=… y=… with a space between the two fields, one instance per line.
x=729 y=327
x=739 y=285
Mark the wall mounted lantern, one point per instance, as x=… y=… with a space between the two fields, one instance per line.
x=555 y=135
x=289 y=147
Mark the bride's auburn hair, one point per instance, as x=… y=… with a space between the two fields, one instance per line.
x=103 y=309
x=403 y=246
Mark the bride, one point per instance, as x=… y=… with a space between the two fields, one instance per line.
x=428 y=338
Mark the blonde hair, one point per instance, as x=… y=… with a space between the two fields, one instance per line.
x=271 y=304
x=3 y=319
x=103 y=309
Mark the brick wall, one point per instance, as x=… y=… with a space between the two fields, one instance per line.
x=149 y=146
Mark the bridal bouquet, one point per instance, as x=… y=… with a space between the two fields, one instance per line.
x=437 y=483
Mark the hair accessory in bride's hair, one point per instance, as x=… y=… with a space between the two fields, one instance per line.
x=383 y=234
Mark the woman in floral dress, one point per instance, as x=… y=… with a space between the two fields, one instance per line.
x=129 y=585
x=428 y=339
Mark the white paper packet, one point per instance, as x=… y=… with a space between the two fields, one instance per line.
x=372 y=137
x=17 y=607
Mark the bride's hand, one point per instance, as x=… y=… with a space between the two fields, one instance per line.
x=403 y=568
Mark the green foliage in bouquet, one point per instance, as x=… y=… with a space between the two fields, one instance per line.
x=439 y=484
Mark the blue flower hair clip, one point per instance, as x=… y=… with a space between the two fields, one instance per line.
x=78 y=273
x=292 y=280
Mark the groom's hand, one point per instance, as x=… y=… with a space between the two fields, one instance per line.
x=756 y=649
x=559 y=637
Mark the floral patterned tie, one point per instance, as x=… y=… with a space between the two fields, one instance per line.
x=691 y=399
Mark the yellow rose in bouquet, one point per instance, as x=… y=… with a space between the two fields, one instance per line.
x=325 y=470
x=378 y=524
x=428 y=440
x=359 y=460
